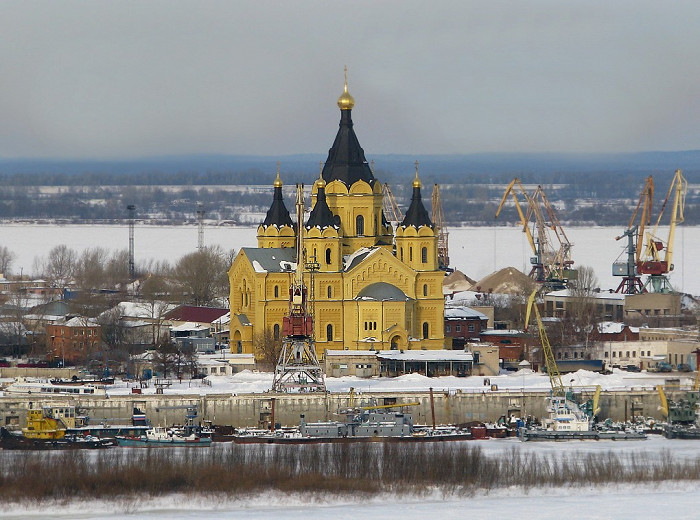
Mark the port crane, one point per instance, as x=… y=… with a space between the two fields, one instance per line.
x=652 y=261
x=631 y=282
x=559 y=393
x=390 y=207
x=438 y=218
x=550 y=267
x=298 y=368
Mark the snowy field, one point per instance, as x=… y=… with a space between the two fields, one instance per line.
x=476 y=251
x=672 y=500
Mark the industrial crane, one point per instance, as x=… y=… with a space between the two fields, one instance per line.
x=550 y=267
x=438 y=219
x=631 y=283
x=652 y=262
x=390 y=207
x=297 y=367
x=549 y=361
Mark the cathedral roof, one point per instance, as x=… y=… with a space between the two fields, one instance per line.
x=322 y=216
x=382 y=291
x=416 y=215
x=271 y=259
x=278 y=214
x=346 y=159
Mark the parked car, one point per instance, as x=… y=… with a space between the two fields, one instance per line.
x=664 y=367
x=633 y=368
x=684 y=367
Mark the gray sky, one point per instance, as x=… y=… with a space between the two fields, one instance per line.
x=112 y=79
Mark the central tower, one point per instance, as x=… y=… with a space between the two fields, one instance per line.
x=352 y=193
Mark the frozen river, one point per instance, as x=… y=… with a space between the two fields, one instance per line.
x=476 y=251
x=676 y=500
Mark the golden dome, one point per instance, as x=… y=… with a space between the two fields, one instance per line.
x=346 y=101
x=320 y=183
x=416 y=180
x=278 y=180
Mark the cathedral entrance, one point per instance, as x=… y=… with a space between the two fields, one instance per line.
x=395 y=342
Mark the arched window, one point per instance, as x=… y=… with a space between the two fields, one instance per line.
x=330 y=292
x=277 y=291
x=329 y=332
x=425 y=330
x=328 y=255
x=402 y=254
x=360 y=225
x=276 y=331
x=425 y=289
x=424 y=255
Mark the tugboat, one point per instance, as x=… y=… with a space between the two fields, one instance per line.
x=47 y=430
x=188 y=435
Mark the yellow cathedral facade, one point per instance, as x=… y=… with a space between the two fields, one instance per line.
x=370 y=287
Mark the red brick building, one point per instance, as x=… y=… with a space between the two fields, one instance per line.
x=74 y=340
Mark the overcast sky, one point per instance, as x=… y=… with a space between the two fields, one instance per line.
x=120 y=79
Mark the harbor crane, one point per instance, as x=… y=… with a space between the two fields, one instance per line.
x=652 y=261
x=298 y=368
x=438 y=218
x=550 y=267
x=631 y=282
x=549 y=362
x=390 y=207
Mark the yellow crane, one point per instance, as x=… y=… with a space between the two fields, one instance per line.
x=549 y=361
x=551 y=263
x=652 y=262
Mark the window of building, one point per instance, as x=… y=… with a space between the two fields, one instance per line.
x=627 y=354
x=401 y=252
x=426 y=330
x=329 y=332
x=425 y=289
x=634 y=354
x=448 y=328
x=276 y=331
x=605 y=354
x=559 y=305
x=424 y=255
x=277 y=291
x=328 y=255
x=360 y=225
x=471 y=327
x=575 y=355
x=648 y=353
x=330 y=292
x=458 y=327
x=614 y=354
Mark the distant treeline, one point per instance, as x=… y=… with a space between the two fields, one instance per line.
x=602 y=195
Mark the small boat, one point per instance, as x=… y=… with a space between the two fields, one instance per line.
x=566 y=421
x=159 y=436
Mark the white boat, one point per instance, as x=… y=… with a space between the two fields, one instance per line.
x=163 y=437
x=39 y=387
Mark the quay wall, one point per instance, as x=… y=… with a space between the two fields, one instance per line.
x=257 y=410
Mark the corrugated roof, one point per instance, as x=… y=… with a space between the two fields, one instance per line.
x=196 y=314
x=425 y=355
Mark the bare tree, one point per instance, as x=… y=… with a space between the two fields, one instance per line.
x=582 y=310
x=267 y=349
x=165 y=357
x=89 y=269
x=7 y=258
x=60 y=265
x=202 y=276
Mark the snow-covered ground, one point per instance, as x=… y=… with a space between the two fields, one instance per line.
x=476 y=251
x=246 y=382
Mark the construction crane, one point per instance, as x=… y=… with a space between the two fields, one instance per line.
x=550 y=267
x=438 y=219
x=297 y=367
x=631 y=282
x=390 y=207
x=651 y=262
x=549 y=361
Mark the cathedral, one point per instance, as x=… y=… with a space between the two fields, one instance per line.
x=370 y=287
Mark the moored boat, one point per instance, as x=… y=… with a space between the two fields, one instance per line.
x=160 y=436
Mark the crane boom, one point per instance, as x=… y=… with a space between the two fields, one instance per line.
x=439 y=221
x=523 y=220
x=551 y=363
